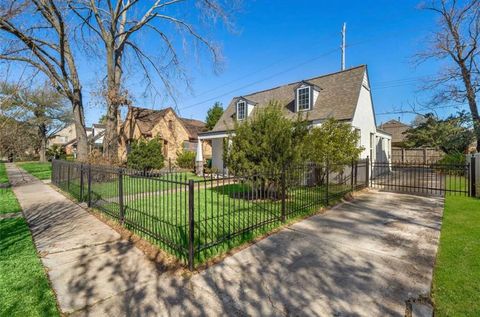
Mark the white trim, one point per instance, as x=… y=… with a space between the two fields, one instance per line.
x=215 y=136
x=297 y=98
x=245 y=109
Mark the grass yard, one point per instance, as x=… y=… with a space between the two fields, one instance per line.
x=3 y=174
x=8 y=201
x=24 y=288
x=39 y=170
x=224 y=218
x=456 y=286
x=108 y=185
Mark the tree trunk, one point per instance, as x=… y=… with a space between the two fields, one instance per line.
x=79 y=120
x=114 y=100
x=110 y=140
x=43 y=149
x=472 y=102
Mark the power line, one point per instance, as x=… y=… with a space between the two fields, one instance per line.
x=415 y=111
x=261 y=80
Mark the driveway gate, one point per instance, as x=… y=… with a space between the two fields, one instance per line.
x=427 y=179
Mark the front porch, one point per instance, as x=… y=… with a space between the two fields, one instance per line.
x=218 y=141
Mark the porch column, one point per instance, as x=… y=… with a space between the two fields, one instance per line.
x=199 y=159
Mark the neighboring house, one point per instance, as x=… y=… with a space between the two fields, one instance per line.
x=344 y=95
x=397 y=130
x=177 y=134
x=67 y=138
x=63 y=136
x=95 y=136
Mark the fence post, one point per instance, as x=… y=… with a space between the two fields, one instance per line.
x=68 y=177
x=351 y=175
x=327 y=180
x=81 y=183
x=120 y=195
x=367 y=171
x=89 y=182
x=191 y=225
x=284 y=192
x=473 y=185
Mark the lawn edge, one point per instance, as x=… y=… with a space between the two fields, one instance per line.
x=37 y=253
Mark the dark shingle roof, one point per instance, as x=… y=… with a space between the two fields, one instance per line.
x=146 y=119
x=337 y=98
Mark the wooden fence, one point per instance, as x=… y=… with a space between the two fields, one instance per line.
x=417 y=155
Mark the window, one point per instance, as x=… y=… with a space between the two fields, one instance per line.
x=241 y=110
x=303 y=98
x=165 y=148
x=358 y=132
x=190 y=146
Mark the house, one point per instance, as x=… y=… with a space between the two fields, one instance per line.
x=177 y=134
x=67 y=138
x=63 y=137
x=397 y=130
x=344 y=95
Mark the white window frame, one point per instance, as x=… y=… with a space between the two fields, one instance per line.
x=245 y=109
x=297 y=103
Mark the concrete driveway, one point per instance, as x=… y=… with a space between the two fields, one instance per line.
x=364 y=258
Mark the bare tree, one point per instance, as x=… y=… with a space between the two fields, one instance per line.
x=35 y=32
x=457 y=41
x=39 y=109
x=123 y=27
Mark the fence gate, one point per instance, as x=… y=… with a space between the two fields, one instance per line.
x=425 y=179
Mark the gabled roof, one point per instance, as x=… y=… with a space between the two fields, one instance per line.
x=396 y=129
x=146 y=119
x=337 y=98
x=194 y=127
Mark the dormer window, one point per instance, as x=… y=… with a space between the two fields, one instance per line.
x=241 y=110
x=304 y=98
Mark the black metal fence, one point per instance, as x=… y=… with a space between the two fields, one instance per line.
x=418 y=178
x=196 y=218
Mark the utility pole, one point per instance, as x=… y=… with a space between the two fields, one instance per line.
x=344 y=28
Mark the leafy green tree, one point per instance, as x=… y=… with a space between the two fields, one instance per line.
x=451 y=135
x=334 y=142
x=186 y=159
x=146 y=155
x=265 y=142
x=213 y=115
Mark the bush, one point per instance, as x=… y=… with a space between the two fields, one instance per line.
x=56 y=152
x=146 y=155
x=186 y=159
x=453 y=159
x=265 y=142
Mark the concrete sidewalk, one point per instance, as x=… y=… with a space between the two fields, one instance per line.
x=364 y=258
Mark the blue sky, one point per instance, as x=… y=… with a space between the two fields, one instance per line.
x=278 y=42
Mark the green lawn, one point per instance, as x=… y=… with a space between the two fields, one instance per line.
x=24 y=288
x=225 y=215
x=3 y=174
x=37 y=169
x=8 y=201
x=456 y=286
x=107 y=185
